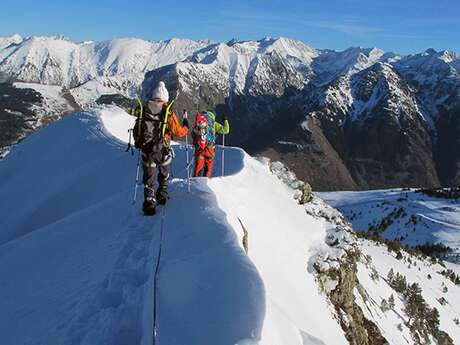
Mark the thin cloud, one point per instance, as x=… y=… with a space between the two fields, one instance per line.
x=348 y=27
x=245 y=15
x=403 y=36
x=351 y=29
x=416 y=21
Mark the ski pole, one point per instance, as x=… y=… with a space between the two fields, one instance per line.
x=186 y=152
x=130 y=147
x=223 y=154
x=137 y=175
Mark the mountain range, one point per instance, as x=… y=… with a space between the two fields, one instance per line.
x=355 y=119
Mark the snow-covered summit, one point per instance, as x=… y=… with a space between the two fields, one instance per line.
x=58 y=61
x=7 y=41
x=267 y=67
x=332 y=64
x=286 y=47
x=430 y=66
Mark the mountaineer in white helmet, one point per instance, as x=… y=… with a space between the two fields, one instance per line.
x=155 y=125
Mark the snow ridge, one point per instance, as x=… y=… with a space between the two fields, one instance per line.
x=95 y=283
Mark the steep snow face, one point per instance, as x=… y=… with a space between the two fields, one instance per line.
x=133 y=56
x=436 y=76
x=287 y=48
x=430 y=66
x=382 y=86
x=295 y=309
x=356 y=82
x=363 y=94
x=331 y=64
x=81 y=258
x=42 y=60
x=413 y=218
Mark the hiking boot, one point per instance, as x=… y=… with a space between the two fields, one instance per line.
x=162 y=195
x=149 y=206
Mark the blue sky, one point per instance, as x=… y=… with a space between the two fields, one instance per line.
x=404 y=26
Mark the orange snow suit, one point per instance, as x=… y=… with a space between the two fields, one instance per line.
x=204 y=158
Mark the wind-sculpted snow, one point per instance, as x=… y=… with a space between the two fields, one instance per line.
x=79 y=256
x=205 y=278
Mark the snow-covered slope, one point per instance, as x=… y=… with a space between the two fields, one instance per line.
x=332 y=64
x=375 y=290
x=435 y=76
x=264 y=67
x=80 y=258
x=405 y=215
x=52 y=105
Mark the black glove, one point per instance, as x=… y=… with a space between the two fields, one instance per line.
x=224 y=118
x=185 y=123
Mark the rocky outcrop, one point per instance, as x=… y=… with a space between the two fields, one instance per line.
x=358 y=330
x=16 y=116
x=337 y=277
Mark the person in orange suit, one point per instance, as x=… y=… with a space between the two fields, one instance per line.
x=204 y=139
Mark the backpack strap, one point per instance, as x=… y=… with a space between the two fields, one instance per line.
x=166 y=117
x=141 y=114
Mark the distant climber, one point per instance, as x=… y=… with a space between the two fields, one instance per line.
x=204 y=139
x=152 y=132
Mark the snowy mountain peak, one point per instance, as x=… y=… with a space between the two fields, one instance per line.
x=289 y=48
x=355 y=52
x=431 y=69
x=430 y=51
x=448 y=56
x=7 y=41
x=444 y=55
x=58 y=61
x=16 y=38
x=232 y=42
x=331 y=64
x=285 y=47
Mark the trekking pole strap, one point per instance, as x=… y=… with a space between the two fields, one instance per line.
x=137 y=176
x=141 y=107
x=223 y=154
